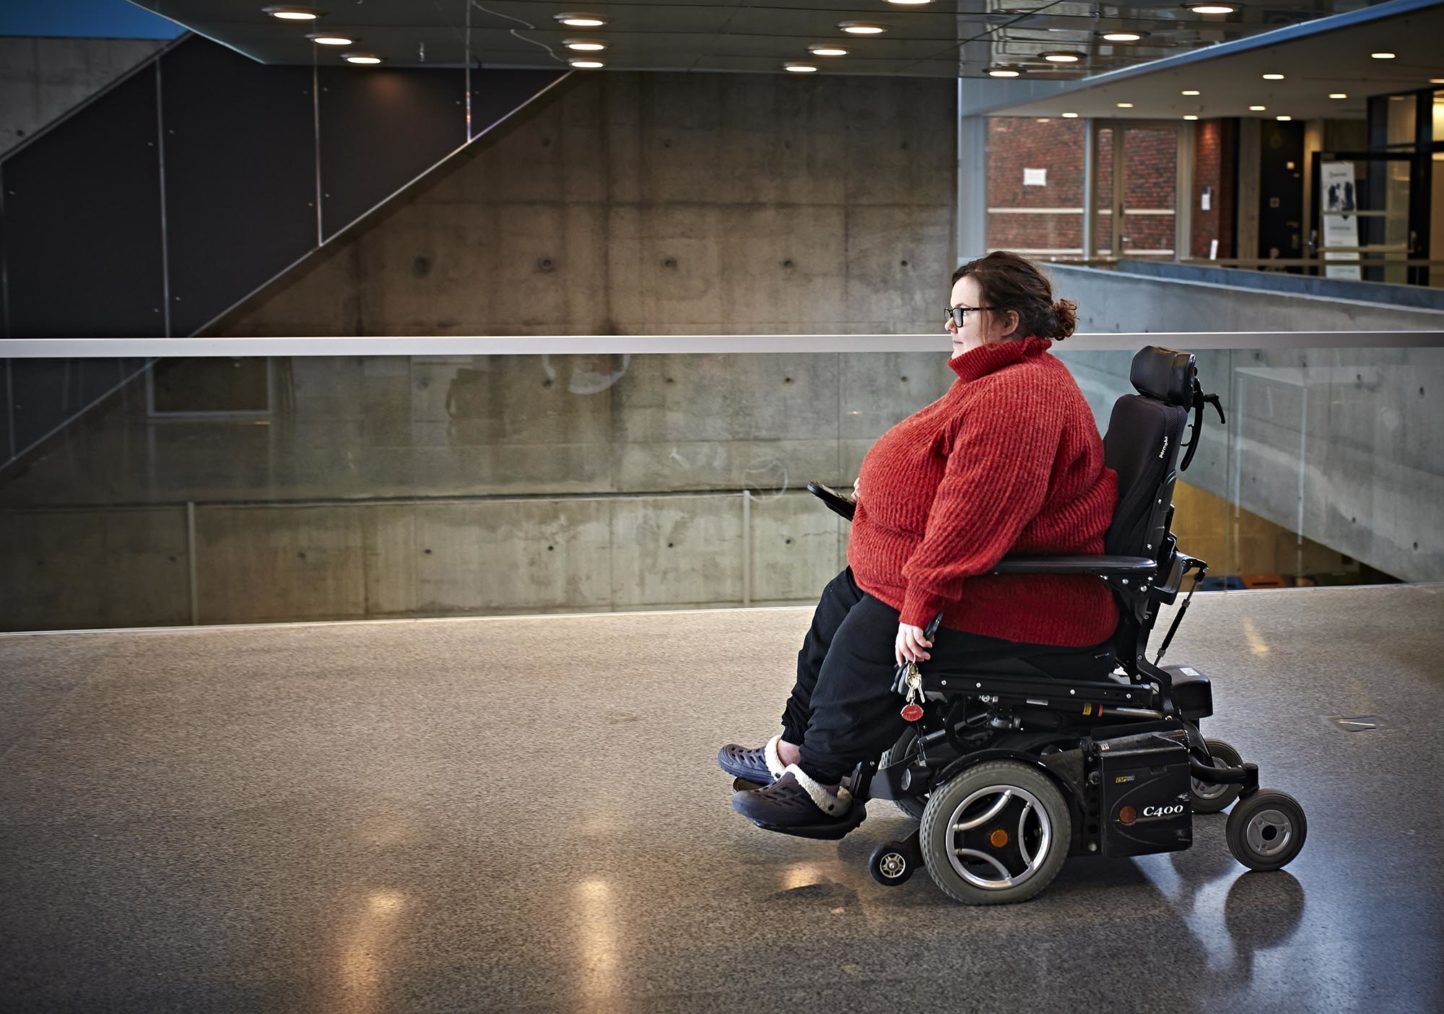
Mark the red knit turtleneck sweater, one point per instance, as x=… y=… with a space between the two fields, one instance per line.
x=1009 y=461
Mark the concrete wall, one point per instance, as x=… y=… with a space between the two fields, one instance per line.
x=43 y=78
x=409 y=486
x=629 y=204
x=661 y=203
x=260 y=563
x=1345 y=440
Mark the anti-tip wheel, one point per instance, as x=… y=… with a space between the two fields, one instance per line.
x=892 y=864
x=1216 y=798
x=1266 y=830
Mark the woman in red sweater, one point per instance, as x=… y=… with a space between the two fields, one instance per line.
x=1009 y=461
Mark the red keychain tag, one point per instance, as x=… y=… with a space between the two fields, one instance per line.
x=912 y=712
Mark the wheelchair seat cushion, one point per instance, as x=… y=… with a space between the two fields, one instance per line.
x=1091 y=663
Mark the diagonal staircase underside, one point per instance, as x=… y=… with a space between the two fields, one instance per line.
x=192 y=182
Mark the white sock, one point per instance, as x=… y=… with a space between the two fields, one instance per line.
x=831 y=800
x=775 y=767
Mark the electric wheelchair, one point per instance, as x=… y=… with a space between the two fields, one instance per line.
x=1014 y=764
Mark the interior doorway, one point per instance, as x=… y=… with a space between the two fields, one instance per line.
x=1139 y=171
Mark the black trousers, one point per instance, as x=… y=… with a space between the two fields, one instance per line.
x=843 y=708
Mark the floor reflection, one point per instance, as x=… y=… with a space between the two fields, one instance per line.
x=365 y=952
x=599 y=961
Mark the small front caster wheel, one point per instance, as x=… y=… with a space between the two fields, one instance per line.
x=1266 y=830
x=1216 y=798
x=892 y=864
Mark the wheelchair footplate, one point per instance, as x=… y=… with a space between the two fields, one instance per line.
x=830 y=831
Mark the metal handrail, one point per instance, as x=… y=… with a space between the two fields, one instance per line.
x=527 y=345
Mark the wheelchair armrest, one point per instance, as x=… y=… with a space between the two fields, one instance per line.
x=1095 y=566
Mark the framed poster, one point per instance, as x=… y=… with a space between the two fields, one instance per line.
x=1338 y=202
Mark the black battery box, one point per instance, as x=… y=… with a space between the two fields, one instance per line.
x=1143 y=794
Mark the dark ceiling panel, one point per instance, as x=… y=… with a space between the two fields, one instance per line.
x=240 y=176
x=724 y=35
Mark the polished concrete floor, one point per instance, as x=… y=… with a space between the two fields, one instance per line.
x=524 y=815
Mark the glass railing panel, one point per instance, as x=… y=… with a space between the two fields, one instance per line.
x=349 y=487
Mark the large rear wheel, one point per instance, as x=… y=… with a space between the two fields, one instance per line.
x=997 y=833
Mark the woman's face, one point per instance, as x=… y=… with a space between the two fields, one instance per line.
x=977 y=329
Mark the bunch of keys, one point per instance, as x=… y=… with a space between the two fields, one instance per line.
x=913 y=709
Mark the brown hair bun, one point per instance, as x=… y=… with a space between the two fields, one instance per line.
x=1066 y=313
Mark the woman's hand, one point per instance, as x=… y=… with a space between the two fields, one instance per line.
x=911 y=644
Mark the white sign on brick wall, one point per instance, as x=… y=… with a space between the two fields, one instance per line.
x=1035 y=177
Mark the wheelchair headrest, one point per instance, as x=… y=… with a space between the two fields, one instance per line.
x=1165 y=374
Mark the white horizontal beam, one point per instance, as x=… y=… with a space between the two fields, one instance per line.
x=569 y=345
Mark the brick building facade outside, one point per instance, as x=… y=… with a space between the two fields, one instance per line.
x=1046 y=218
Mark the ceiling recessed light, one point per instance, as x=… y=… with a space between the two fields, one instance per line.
x=1062 y=56
x=1070 y=116
x=1257 y=109
x=585 y=45
x=827 y=50
x=363 y=59
x=1125 y=105
x=292 y=13
x=1211 y=8
x=322 y=39
x=1003 y=72
x=1273 y=77
x=800 y=68
x=1383 y=56
x=1189 y=91
x=909 y=3
x=591 y=64
x=1338 y=95
x=1283 y=119
x=581 y=20
x=1124 y=36
x=862 y=27
x=1190 y=116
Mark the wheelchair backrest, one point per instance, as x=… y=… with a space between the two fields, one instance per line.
x=1142 y=446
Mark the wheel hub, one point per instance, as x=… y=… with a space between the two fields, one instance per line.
x=981 y=849
x=893 y=865
x=1269 y=832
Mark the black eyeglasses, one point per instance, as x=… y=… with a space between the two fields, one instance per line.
x=959 y=314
